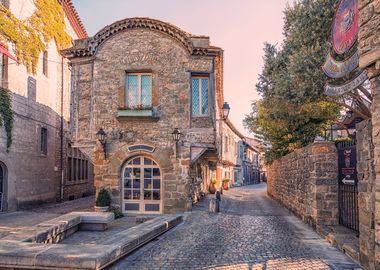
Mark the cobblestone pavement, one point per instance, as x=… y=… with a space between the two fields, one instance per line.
x=252 y=232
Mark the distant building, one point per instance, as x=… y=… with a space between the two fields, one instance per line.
x=34 y=170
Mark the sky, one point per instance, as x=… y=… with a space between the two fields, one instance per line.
x=239 y=27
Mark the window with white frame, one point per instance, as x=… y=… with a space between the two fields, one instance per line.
x=138 y=94
x=199 y=94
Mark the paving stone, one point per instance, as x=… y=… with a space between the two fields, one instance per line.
x=251 y=232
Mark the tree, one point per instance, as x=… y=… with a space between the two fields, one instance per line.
x=293 y=109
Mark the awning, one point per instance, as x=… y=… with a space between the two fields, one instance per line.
x=4 y=51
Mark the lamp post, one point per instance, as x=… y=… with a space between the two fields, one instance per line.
x=176 y=136
x=102 y=138
x=225 y=112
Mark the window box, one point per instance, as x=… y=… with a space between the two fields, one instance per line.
x=135 y=113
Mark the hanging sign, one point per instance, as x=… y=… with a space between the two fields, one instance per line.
x=346 y=26
x=338 y=69
x=338 y=90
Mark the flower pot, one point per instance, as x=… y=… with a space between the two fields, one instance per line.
x=225 y=186
x=101 y=208
x=212 y=188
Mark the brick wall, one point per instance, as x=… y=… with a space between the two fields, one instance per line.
x=306 y=183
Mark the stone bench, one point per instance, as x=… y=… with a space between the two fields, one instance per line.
x=20 y=254
x=57 y=229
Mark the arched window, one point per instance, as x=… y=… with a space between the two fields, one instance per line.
x=142 y=186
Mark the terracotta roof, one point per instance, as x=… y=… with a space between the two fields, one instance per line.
x=73 y=17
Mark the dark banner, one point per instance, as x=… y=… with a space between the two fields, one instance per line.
x=347 y=165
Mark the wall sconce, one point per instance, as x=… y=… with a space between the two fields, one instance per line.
x=102 y=138
x=226 y=110
x=176 y=136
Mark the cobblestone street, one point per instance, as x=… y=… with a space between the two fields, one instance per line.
x=252 y=232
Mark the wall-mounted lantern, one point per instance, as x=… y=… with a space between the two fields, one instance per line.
x=102 y=138
x=226 y=110
x=176 y=136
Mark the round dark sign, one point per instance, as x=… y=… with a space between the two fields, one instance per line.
x=346 y=26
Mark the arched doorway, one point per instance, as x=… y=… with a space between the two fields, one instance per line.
x=142 y=186
x=2 y=186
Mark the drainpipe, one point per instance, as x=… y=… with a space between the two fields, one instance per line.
x=61 y=131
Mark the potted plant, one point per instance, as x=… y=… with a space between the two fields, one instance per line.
x=103 y=201
x=226 y=182
x=212 y=188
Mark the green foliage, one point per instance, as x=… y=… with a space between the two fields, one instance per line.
x=6 y=114
x=103 y=199
x=30 y=36
x=116 y=211
x=293 y=109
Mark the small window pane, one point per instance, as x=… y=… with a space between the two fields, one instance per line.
x=136 y=194
x=195 y=96
x=147 y=195
x=132 y=207
x=127 y=183
x=127 y=194
x=147 y=161
x=156 y=195
x=132 y=96
x=136 y=172
x=127 y=172
x=147 y=184
x=156 y=172
x=136 y=183
x=156 y=184
x=146 y=91
x=136 y=161
x=152 y=207
x=204 y=96
x=147 y=173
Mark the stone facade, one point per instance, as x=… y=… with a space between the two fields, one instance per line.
x=38 y=101
x=306 y=182
x=369 y=191
x=366 y=193
x=172 y=58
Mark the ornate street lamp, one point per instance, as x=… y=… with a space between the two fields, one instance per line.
x=102 y=138
x=226 y=110
x=176 y=136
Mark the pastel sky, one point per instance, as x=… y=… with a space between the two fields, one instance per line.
x=240 y=27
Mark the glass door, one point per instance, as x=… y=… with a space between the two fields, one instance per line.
x=142 y=186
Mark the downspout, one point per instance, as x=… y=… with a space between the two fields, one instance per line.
x=61 y=131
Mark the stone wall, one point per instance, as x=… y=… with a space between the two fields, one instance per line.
x=369 y=58
x=306 y=182
x=366 y=195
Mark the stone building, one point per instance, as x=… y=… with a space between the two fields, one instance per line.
x=238 y=160
x=229 y=164
x=138 y=80
x=32 y=172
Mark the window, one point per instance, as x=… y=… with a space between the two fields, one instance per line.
x=43 y=141
x=77 y=165
x=226 y=144
x=199 y=94
x=138 y=91
x=45 y=63
x=142 y=186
